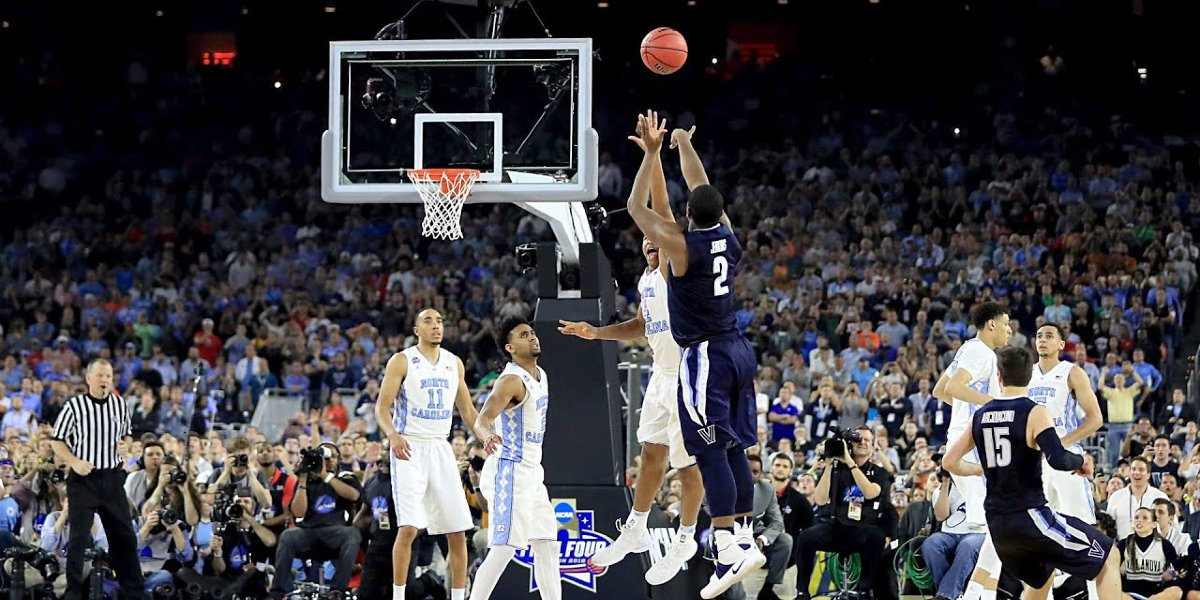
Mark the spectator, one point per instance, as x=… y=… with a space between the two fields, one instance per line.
x=784 y=414
x=1137 y=495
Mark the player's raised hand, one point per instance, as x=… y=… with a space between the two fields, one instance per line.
x=651 y=132
x=681 y=135
x=578 y=329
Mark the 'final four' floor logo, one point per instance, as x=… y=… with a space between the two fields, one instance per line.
x=577 y=541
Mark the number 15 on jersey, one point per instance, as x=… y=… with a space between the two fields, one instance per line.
x=997 y=448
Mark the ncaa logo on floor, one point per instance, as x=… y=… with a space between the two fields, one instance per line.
x=577 y=541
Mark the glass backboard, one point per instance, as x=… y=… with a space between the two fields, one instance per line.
x=518 y=110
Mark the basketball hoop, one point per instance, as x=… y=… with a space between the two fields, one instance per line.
x=443 y=191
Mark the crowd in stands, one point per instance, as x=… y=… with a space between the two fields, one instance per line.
x=190 y=247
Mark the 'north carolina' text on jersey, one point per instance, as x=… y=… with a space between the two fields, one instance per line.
x=1052 y=390
x=653 y=290
x=1012 y=470
x=427 y=395
x=701 y=302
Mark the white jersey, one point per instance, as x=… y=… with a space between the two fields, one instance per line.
x=523 y=427
x=653 y=288
x=980 y=363
x=1052 y=390
x=427 y=395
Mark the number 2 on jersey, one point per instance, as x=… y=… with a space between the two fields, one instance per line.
x=435 y=400
x=721 y=270
x=997 y=448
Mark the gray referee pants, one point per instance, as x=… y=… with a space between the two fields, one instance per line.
x=102 y=493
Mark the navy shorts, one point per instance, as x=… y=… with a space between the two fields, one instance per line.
x=1032 y=544
x=716 y=394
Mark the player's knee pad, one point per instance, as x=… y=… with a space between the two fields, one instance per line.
x=501 y=553
x=739 y=465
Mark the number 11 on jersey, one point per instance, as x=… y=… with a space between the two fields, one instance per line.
x=435 y=400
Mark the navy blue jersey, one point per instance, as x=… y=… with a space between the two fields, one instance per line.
x=1013 y=469
x=701 y=303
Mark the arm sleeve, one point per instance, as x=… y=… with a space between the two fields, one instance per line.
x=1058 y=457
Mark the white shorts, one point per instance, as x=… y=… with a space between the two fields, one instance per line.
x=973 y=489
x=1068 y=494
x=428 y=490
x=519 y=507
x=659 y=421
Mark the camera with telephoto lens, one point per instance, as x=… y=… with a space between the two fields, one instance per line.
x=312 y=460
x=241 y=460
x=178 y=476
x=835 y=445
x=227 y=511
x=44 y=562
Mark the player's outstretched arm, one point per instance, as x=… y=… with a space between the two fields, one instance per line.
x=691 y=165
x=664 y=232
x=393 y=378
x=625 y=331
x=953 y=461
x=507 y=389
x=1081 y=387
x=689 y=159
x=660 y=201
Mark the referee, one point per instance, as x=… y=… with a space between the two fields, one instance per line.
x=86 y=435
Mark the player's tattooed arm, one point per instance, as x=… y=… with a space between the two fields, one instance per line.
x=508 y=389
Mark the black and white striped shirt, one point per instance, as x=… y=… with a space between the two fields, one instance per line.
x=91 y=428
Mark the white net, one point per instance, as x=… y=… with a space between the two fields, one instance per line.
x=443 y=191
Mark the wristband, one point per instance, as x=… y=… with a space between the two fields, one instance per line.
x=329 y=478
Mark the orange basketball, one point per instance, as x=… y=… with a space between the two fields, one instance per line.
x=664 y=50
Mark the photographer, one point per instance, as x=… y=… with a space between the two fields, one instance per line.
x=141 y=483
x=240 y=541
x=238 y=472
x=163 y=545
x=853 y=490
x=54 y=535
x=325 y=500
x=175 y=491
x=951 y=552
